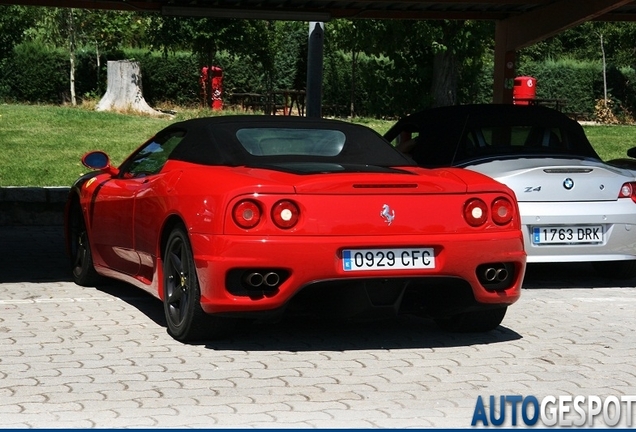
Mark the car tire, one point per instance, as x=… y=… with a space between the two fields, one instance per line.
x=473 y=321
x=186 y=320
x=81 y=258
x=619 y=270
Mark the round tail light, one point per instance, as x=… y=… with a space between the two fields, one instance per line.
x=628 y=190
x=475 y=212
x=247 y=214
x=502 y=211
x=285 y=214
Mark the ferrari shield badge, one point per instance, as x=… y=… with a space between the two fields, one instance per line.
x=90 y=181
x=387 y=214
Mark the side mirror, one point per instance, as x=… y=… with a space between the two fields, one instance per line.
x=632 y=152
x=98 y=160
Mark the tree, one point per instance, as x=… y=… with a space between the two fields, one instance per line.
x=14 y=22
x=71 y=49
x=207 y=36
x=276 y=47
x=352 y=36
x=459 y=50
x=406 y=45
x=429 y=56
x=74 y=28
x=582 y=43
x=57 y=26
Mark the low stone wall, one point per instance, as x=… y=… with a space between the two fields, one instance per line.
x=32 y=205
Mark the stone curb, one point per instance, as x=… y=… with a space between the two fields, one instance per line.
x=32 y=205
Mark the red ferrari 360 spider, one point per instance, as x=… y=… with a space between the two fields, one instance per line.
x=249 y=216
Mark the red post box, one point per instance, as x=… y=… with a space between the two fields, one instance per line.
x=217 y=88
x=524 y=91
x=211 y=81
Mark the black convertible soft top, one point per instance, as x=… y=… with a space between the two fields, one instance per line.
x=449 y=135
x=215 y=141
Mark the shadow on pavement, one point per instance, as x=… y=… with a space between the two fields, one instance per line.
x=569 y=275
x=296 y=334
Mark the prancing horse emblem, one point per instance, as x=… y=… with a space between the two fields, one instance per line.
x=387 y=214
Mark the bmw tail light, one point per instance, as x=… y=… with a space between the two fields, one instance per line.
x=502 y=211
x=628 y=190
x=247 y=214
x=285 y=214
x=475 y=212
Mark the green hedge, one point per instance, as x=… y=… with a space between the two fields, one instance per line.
x=36 y=74
x=381 y=89
x=566 y=79
x=581 y=84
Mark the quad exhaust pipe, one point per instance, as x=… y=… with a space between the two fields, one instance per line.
x=492 y=274
x=257 y=279
x=496 y=276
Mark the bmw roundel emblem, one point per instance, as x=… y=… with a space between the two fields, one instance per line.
x=568 y=183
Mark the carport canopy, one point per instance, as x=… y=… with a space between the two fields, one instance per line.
x=519 y=23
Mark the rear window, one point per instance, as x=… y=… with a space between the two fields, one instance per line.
x=516 y=136
x=287 y=142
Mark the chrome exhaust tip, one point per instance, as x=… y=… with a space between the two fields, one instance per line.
x=490 y=274
x=271 y=279
x=254 y=279
x=501 y=274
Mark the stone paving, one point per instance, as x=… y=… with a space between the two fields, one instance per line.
x=73 y=357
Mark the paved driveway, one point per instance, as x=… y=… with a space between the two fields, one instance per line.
x=100 y=357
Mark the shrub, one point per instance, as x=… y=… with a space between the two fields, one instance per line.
x=33 y=73
x=384 y=88
x=603 y=112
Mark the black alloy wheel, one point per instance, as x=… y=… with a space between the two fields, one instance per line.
x=84 y=273
x=185 y=318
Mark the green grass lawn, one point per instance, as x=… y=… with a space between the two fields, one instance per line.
x=611 y=142
x=42 y=145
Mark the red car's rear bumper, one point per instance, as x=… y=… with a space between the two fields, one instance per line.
x=313 y=259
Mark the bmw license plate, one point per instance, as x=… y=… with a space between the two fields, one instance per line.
x=567 y=234
x=388 y=259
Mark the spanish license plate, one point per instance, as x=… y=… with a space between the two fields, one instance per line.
x=567 y=234
x=388 y=259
